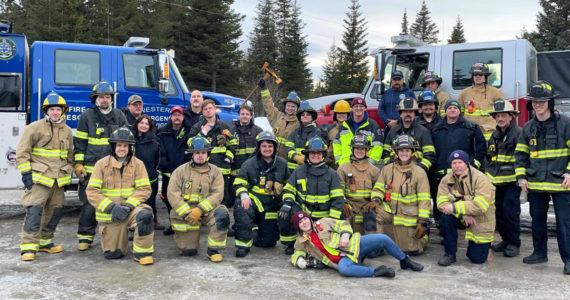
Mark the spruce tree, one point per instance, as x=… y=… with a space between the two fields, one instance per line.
x=293 y=66
x=553 y=26
x=457 y=34
x=405 y=24
x=331 y=78
x=423 y=28
x=208 y=52
x=354 y=66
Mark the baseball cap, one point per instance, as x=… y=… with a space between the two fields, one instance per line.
x=135 y=98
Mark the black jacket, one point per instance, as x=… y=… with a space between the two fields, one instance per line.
x=501 y=155
x=130 y=118
x=422 y=135
x=246 y=137
x=461 y=135
x=91 y=140
x=190 y=117
x=173 y=144
x=221 y=156
x=429 y=125
x=147 y=149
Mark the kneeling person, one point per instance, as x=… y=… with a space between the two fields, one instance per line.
x=403 y=189
x=332 y=243
x=466 y=198
x=117 y=187
x=258 y=186
x=195 y=191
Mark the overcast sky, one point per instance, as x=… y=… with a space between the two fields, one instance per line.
x=483 y=20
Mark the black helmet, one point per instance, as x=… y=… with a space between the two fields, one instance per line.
x=427 y=96
x=360 y=141
x=306 y=107
x=122 y=134
x=315 y=144
x=404 y=141
x=266 y=136
x=431 y=76
x=480 y=68
x=541 y=90
x=198 y=143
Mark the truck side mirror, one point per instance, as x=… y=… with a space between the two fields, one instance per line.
x=163 y=72
x=164 y=100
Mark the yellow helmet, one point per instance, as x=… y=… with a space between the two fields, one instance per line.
x=54 y=99
x=341 y=106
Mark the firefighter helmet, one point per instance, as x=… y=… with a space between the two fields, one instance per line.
x=315 y=144
x=266 y=136
x=480 y=68
x=292 y=97
x=122 y=134
x=341 y=106
x=501 y=105
x=54 y=99
x=404 y=141
x=541 y=90
x=408 y=103
x=101 y=88
x=306 y=107
x=431 y=76
x=360 y=141
x=198 y=143
x=427 y=96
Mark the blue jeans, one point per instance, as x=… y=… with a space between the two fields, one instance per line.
x=368 y=244
x=448 y=225
x=539 y=203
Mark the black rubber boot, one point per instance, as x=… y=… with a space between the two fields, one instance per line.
x=500 y=247
x=113 y=254
x=535 y=259
x=447 y=260
x=289 y=250
x=407 y=263
x=168 y=231
x=511 y=251
x=189 y=252
x=383 y=271
x=242 y=252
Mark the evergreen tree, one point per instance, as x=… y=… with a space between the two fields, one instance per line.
x=262 y=48
x=423 y=28
x=405 y=24
x=354 y=66
x=282 y=20
x=209 y=48
x=457 y=34
x=293 y=67
x=553 y=26
x=331 y=80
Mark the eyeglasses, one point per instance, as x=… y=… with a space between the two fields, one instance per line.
x=478 y=75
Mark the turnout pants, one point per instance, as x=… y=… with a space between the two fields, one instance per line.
x=448 y=226
x=187 y=236
x=115 y=235
x=539 y=203
x=151 y=201
x=508 y=213
x=403 y=235
x=254 y=227
x=87 y=222
x=44 y=208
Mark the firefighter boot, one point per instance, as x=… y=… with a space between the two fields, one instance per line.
x=51 y=248
x=447 y=260
x=28 y=256
x=500 y=247
x=214 y=255
x=82 y=246
x=289 y=250
x=407 y=263
x=144 y=259
x=535 y=259
x=383 y=271
x=242 y=252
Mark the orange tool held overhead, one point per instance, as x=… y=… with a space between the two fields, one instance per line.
x=266 y=73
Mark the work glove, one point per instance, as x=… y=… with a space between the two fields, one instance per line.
x=277 y=188
x=421 y=229
x=347 y=210
x=371 y=206
x=80 y=172
x=261 y=84
x=299 y=159
x=221 y=139
x=269 y=187
x=27 y=180
x=301 y=263
x=284 y=211
x=119 y=213
x=194 y=216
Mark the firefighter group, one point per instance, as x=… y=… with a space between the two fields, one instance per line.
x=332 y=194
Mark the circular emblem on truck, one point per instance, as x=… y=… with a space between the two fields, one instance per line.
x=7 y=49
